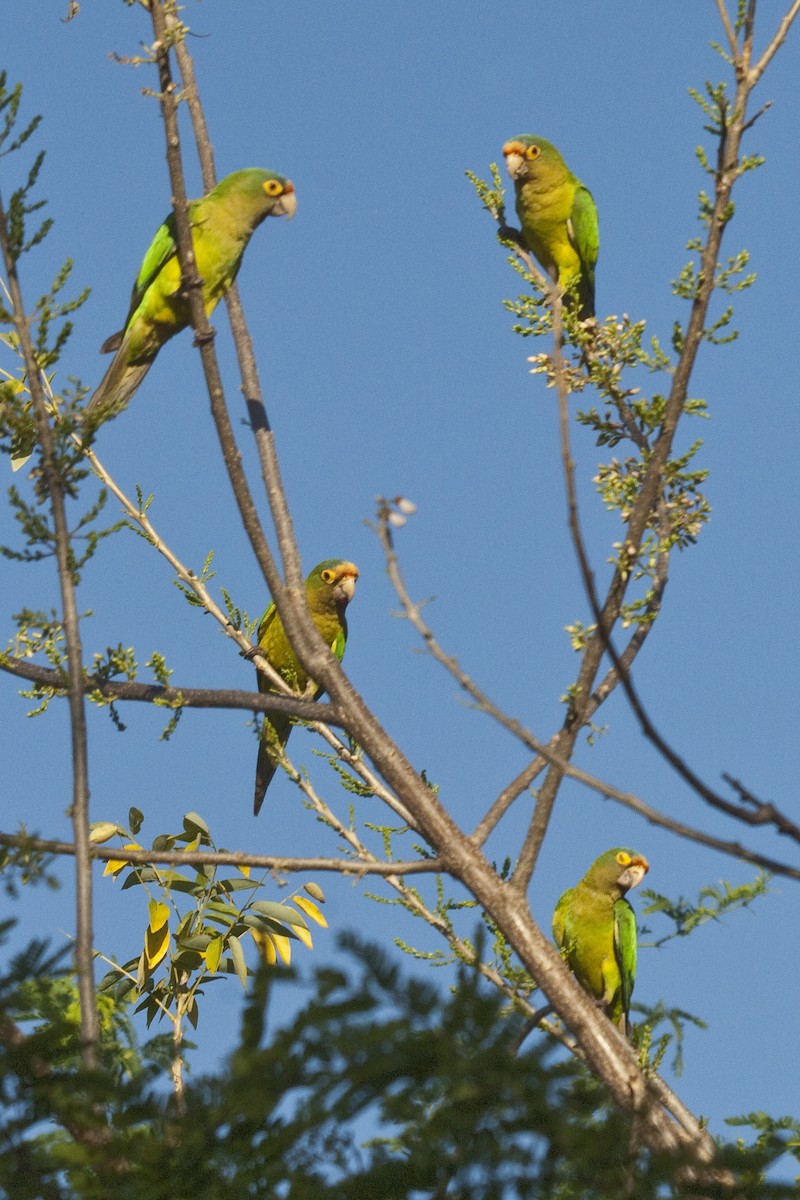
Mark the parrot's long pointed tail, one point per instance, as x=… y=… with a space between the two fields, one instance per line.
x=274 y=736
x=586 y=297
x=265 y=769
x=116 y=387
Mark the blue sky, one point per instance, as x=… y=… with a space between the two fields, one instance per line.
x=389 y=367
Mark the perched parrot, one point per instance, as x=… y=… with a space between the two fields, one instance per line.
x=595 y=929
x=557 y=213
x=329 y=589
x=222 y=224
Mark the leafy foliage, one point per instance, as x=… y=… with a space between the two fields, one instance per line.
x=713 y=902
x=198 y=946
x=381 y=1087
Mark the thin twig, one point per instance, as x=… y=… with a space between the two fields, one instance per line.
x=552 y=753
x=728 y=27
x=777 y=41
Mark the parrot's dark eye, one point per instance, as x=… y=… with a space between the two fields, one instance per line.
x=328 y=576
x=532 y=152
x=623 y=859
x=273 y=187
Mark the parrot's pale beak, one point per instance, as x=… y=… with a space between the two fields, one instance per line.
x=346 y=589
x=286 y=205
x=634 y=874
x=514 y=154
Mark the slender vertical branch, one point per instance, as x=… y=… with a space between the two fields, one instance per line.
x=193 y=285
x=547 y=793
x=730 y=32
x=79 y=809
x=191 y=95
x=243 y=343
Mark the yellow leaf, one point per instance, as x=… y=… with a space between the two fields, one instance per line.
x=156 y=944
x=115 y=865
x=159 y=915
x=283 y=946
x=266 y=946
x=213 y=953
x=303 y=935
x=245 y=871
x=311 y=910
x=314 y=890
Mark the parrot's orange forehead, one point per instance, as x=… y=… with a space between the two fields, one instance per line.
x=334 y=571
x=513 y=148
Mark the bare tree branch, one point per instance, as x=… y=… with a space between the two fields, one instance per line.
x=171 y=697
x=730 y=33
x=777 y=41
x=279 y=864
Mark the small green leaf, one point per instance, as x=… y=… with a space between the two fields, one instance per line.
x=277 y=912
x=192 y=822
x=239 y=965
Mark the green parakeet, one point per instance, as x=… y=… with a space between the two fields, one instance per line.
x=557 y=213
x=329 y=589
x=222 y=224
x=595 y=929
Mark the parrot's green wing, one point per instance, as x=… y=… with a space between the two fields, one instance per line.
x=162 y=248
x=585 y=226
x=560 y=920
x=625 y=949
x=584 y=231
x=264 y=624
x=339 y=644
x=275 y=727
